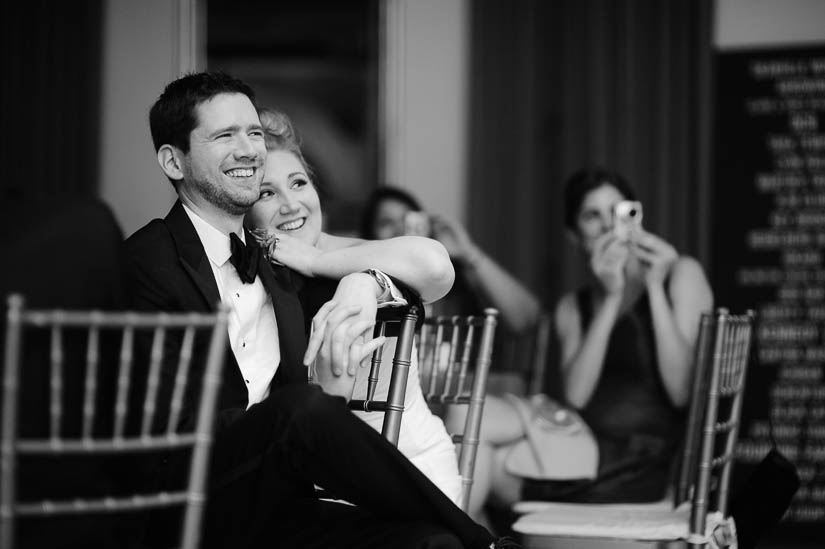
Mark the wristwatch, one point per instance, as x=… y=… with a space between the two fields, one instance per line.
x=383 y=282
x=390 y=296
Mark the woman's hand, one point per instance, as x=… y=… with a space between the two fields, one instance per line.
x=341 y=338
x=608 y=260
x=288 y=250
x=453 y=236
x=656 y=256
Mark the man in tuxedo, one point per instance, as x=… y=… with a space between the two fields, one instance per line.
x=277 y=435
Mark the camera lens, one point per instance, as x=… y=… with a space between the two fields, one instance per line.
x=632 y=212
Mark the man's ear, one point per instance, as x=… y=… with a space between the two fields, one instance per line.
x=170 y=162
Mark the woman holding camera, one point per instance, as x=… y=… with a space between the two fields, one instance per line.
x=626 y=340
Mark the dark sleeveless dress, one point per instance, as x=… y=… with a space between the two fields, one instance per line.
x=637 y=428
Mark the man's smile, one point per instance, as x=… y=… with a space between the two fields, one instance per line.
x=240 y=172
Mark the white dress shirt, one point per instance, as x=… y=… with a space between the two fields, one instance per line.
x=253 y=330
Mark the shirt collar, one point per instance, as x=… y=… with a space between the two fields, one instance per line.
x=215 y=242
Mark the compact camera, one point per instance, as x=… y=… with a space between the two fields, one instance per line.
x=627 y=218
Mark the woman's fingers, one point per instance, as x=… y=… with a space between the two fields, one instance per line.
x=345 y=336
x=361 y=351
x=357 y=352
x=318 y=331
x=336 y=325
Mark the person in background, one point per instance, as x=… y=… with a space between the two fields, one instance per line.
x=627 y=340
x=82 y=237
x=276 y=435
x=480 y=281
x=289 y=219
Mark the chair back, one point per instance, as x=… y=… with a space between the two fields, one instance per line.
x=94 y=354
x=722 y=356
x=519 y=364
x=454 y=355
x=400 y=321
x=538 y=360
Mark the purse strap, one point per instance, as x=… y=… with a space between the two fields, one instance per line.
x=524 y=413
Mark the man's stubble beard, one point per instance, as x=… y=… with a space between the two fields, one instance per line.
x=221 y=197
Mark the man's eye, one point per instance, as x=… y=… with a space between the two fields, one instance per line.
x=256 y=133
x=224 y=135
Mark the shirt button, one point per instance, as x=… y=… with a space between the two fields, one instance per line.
x=244 y=343
x=237 y=294
x=246 y=380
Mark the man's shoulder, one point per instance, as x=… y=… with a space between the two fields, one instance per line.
x=153 y=230
x=151 y=247
x=152 y=267
x=154 y=237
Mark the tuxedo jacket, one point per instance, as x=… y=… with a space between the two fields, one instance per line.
x=167 y=270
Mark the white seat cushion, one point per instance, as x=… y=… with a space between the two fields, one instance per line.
x=524 y=507
x=655 y=522
x=622 y=521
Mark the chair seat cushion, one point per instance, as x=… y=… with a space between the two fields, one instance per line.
x=639 y=522
x=535 y=506
x=621 y=521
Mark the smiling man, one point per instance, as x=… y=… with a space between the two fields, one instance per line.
x=277 y=435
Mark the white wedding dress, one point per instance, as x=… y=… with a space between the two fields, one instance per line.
x=423 y=437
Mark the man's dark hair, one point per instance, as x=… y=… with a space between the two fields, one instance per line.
x=584 y=181
x=173 y=116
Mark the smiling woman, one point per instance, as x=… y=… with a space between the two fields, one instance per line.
x=288 y=206
x=288 y=201
x=289 y=209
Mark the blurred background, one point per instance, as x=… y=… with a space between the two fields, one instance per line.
x=480 y=108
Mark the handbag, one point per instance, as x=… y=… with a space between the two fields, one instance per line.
x=767 y=493
x=558 y=444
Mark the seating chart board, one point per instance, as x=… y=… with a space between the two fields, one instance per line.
x=768 y=254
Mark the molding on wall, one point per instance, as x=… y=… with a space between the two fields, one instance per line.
x=423 y=101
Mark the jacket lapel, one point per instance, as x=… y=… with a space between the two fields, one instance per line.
x=192 y=255
x=195 y=263
x=290 y=318
x=288 y=312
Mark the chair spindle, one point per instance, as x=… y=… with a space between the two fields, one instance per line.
x=180 y=379
x=124 y=370
x=153 y=380
x=90 y=382
x=56 y=383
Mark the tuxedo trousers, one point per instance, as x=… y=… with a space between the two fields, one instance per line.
x=266 y=464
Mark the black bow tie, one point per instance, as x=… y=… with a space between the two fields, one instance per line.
x=244 y=258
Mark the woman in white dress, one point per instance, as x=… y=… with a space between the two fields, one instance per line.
x=290 y=209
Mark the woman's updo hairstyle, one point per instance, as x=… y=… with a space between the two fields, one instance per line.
x=280 y=135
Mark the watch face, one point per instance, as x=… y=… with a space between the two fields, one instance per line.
x=380 y=278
